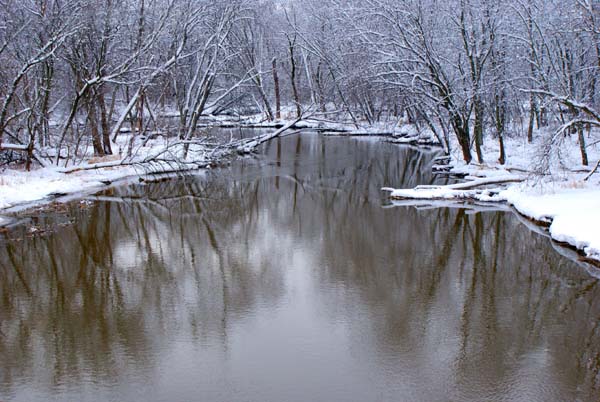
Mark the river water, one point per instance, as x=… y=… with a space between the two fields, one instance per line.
x=289 y=277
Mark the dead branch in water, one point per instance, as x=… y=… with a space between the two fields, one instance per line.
x=249 y=145
x=167 y=159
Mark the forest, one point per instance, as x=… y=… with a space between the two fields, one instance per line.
x=85 y=78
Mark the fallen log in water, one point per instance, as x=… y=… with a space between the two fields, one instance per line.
x=249 y=145
x=14 y=147
x=469 y=190
x=165 y=160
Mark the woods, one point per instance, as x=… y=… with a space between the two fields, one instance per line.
x=78 y=75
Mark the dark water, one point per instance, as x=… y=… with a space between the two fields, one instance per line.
x=286 y=278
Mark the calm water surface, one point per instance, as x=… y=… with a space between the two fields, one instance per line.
x=287 y=278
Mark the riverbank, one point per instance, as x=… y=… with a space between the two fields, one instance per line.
x=562 y=199
x=163 y=155
x=45 y=184
x=565 y=198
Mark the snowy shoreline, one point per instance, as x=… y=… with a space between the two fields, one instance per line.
x=567 y=204
x=564 y=201
x=570 y=216
x=22 y=190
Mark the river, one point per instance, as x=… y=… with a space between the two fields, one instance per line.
x=290 y=277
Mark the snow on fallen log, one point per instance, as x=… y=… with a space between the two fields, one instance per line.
x=166 y=158
x=157 y=165
x=248 y=146
x=441 y=194
x=469 y=206
x=14 y=147
x=468 y=190
x=338 y=133
x=571 y=214
x=23 y=148
x=95 y=166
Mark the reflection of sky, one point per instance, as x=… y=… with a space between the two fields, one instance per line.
x=292 y=283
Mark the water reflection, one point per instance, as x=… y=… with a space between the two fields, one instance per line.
x=283 y=278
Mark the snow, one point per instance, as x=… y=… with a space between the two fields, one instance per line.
x=14 y=147
x=562 y=199
x=434 y=193
x=18 y=187
x=574 y=214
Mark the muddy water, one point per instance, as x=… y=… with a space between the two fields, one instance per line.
x=287 y=277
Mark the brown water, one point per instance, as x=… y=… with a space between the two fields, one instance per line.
x=288 y=278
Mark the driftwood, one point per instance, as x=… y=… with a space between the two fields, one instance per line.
x=485 y=182
x=471 y=184
x=166 y=165
x=345 y=133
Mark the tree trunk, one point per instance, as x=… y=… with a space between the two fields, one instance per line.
x=463 y=136
x=93 y=122
x=532 y=113
x=44 y=134
x=293 y=79
x=584 y=157
x=478 y=128
x=502 y=157
x=140 y=114
x=264 y=98
x=277 y=90
x=313 y=97
x=104 y=121
x=318 y=81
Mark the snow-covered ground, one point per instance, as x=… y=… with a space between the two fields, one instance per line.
x=574 y=214
x=561 y=198
x=18 y=187
x=570 y=205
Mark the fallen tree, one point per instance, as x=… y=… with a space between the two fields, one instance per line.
x=170 y=159
x=477 y=189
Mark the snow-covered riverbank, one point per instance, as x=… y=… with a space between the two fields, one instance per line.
x=567 y=198
x=18 y=187
x=573 y=214
x=562 y=199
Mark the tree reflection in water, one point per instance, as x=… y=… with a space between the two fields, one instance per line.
x=448 y=303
